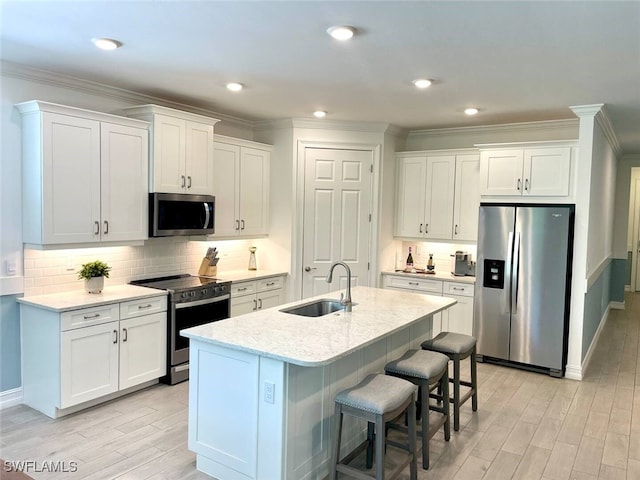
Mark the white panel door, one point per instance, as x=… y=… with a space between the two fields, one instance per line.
x=124 y=183
x=71 y=179
x=226 y=183
x=88 y=363
x=439 y=197
x=270 y=299
x=169 y=138
x=337 y=227
x=254 y=191
x=460 y=315
x=467 y=198
x=199 y=158
x=411 y=185
x=636 y=235
x=143 y=344
x=243 y=304
x=501 y=172
x=547 y=171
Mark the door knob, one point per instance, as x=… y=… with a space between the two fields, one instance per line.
x=308 y=269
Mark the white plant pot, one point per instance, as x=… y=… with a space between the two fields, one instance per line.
x=94 y=284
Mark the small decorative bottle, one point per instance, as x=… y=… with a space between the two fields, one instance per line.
x=409 y=263
x=430 y=265
x=252 y=258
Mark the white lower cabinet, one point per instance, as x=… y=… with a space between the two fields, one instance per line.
x=253 y=295
x=83 y=355
x=458 y=318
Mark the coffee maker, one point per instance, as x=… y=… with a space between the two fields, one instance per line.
x=463 y=265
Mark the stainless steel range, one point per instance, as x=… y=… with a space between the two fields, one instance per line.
x=193 y=301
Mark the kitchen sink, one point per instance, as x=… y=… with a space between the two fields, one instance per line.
x=317 y=308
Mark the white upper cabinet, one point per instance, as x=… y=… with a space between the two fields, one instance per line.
x=437 y=195
x=528 y=171
x=467 y=197
x=181 y=150
x=84 y=176
x=241 y=187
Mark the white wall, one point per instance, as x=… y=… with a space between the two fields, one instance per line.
x=622 y=233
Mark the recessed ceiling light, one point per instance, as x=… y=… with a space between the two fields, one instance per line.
x=422 y=83
x=234 y=86
x=319 y=114
x=470 y=111
x=106 y=43
x=341 y=32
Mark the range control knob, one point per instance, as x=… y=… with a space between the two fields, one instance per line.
x=192 y=293
x=184 y=295
x=204 y=291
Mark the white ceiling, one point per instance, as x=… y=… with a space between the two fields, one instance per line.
x=516 y=61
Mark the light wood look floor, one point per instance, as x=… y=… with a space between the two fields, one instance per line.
x=528 y=426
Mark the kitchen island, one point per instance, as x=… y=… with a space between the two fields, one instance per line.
x=262 y=385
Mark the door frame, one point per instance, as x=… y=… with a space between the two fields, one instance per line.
x=634 y=226
x=297 y=240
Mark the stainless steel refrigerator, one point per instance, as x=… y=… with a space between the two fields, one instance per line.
x=523 y=282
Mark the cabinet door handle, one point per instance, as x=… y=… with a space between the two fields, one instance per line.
x=526 y=184
x=97 y=229
x=259 y=303
x=115 y=336
x=183 y=181
x=124 y=334
x=413 y=283
x=420 y=228
x=426 y=228
x=141 y=307
x=270 y=284
x=237 y=224
x=106 y=227
x=242 y=289
x=88 y=317
x=456 y=288
x=455 y=230
x=189 y=181
x=255 y=305
x=242 y=222
x=519 y=184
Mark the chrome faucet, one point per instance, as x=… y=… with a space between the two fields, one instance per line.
x=346 y=301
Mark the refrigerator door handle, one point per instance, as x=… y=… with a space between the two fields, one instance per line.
x=514 y=273
x=508 y=273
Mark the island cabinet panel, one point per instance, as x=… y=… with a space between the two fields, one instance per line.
x=226 y=382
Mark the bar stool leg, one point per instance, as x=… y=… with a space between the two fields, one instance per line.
x=413 y=468
x=424 y=388
x=474 y=381
x=370 y=437
x=335 y=454
x=444 y=388
x=456 y=392
x=380 y=444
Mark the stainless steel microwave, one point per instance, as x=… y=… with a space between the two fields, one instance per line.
x=174 y=214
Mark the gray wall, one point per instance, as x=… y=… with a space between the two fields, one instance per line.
x=595 y=304
x=9 y=343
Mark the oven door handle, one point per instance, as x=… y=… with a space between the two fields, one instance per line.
x=202 y=302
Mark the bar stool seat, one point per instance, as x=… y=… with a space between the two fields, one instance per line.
x=377 y=399
x=457 y=347
x=427 y=370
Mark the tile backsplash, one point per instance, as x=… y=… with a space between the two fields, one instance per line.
x=441 y=254
x=54 y=271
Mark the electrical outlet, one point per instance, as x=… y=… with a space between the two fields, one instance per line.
x=269 y=392
x=69 y=267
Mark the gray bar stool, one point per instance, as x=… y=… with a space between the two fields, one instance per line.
x=427 y=370
x=377 y=399
x=457 y=347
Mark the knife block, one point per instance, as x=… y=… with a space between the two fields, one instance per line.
x=207 y=270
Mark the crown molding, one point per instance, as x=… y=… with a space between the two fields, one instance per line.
x=499 y=128
x=599 y=112
x=322 y=124
x=24 y=72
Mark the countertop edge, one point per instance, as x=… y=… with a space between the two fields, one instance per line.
x=444 y=277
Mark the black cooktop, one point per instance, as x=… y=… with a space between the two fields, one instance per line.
x=177 y=283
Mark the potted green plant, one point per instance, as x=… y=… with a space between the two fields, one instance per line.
x=93 y=274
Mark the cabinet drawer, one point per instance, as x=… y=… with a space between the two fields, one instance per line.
x=144 y=306
x=272 y=283
x=89 y=316
x=416 y=284
x=462 y=289
x=243 y=288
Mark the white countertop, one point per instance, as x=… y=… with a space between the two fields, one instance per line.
x=241 y=275
x=446 y=276
x=62 y=302
x=308 y=341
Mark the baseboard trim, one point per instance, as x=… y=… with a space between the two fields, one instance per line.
x=9 y=398
x=617 y=305
x=594 y=342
